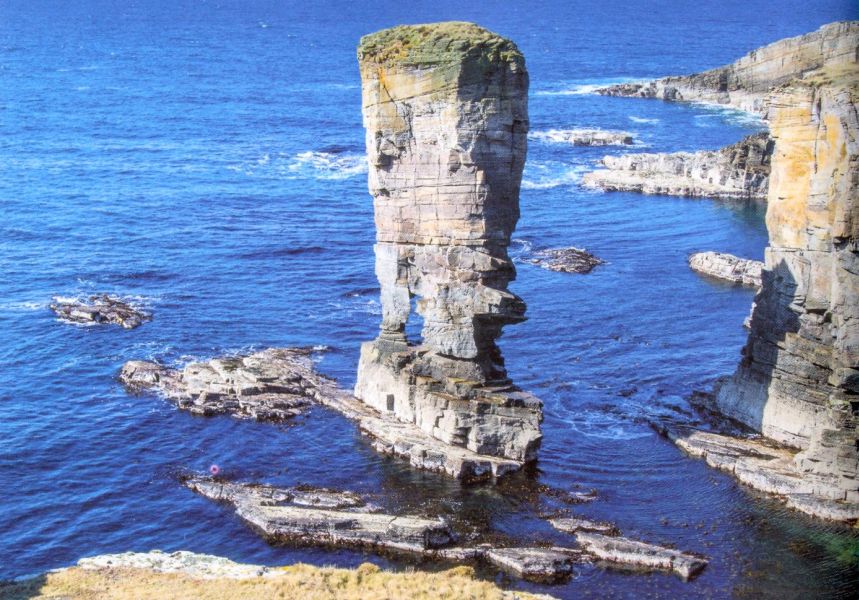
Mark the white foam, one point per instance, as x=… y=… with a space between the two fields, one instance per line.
x=584 y=88
x=643 y=120
x=571 y=136
x=304 y=165
x=551 y=174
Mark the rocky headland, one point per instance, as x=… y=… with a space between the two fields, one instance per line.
x=798 y=380
x=584 y=137
x=746 y=84
x=727 y=267
x=738 y=171
x=104 y=309
x=446 y=118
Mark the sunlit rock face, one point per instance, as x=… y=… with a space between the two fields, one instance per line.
x=798 y=381
x=446 y=117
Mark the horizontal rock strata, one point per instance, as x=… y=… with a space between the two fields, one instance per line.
x=325 y=517
x=271 y=385
x=727 y=267
x=584 y=137
x=737 y=171
x=575 y=524
x=565 y=260
x=445 y=113
x=641 y=555
x=99 y=309
x=549 y=565
x=765 y=466
x=279 y=383
x=798 y=380
x=746 y=83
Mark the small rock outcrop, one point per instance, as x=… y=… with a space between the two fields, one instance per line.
x=737 y=171
x=565 y=260
x=326 y=517
x=727 y=267
x=641 y=555
x=584 y=137
x=798 y=381
x=446 y=118
x=746 y=83
x=100 y=309
x=271 y=385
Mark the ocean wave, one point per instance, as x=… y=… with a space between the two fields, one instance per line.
x=23 y=306
x=543 y=175
x=586 y=87
x=312 y=164
x=727 y=115
x=644 y=120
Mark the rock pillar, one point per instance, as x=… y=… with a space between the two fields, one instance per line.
x=798 y=381
x=446 y=117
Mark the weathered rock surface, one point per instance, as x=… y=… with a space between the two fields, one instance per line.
x=746 y=83
x=584 y=137
x=200 y=566
x=100 y=309
x=272 y=385
x=325 y=517
x=565 y=260
x=766 y=466
x=737 y=171
x=549 y=565
x=641 y=555
x=575 y=524
x=798 y=381
x=445 y=112
x=727 y=267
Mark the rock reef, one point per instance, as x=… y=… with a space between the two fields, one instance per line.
x=746 y=83
x=565 y=260
x=584 y=137
x=446 y=119
x=727 y=267
x=740 y=171
x=99 y=309
x=798 y=381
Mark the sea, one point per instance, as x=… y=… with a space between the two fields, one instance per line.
x=205 y=159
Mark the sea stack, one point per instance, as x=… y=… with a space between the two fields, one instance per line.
x=445 y=108
x=798 y=382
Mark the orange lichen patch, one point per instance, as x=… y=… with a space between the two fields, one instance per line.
x=296 y=581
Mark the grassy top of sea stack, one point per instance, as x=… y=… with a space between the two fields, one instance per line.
x=436 y=43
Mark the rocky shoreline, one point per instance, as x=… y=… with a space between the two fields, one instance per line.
x=727 y=267
x=739 y=171
x=584 y=137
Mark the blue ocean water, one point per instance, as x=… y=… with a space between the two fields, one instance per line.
x=206 y=158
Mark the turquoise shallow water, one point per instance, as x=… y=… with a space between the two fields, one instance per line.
x=207 y=158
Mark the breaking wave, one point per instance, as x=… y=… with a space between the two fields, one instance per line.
x=305 y=165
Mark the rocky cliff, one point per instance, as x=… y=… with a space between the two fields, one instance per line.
x=446 y=117
x=740 y=170
x=798 y=381
x=746 y=83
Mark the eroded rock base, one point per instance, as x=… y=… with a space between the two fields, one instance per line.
x=641 y=555
x=101 y=309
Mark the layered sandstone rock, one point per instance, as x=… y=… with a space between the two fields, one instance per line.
x=727 y=267
x=445 y=112
x=740 y=170
x=798 y=382
x=746 y=83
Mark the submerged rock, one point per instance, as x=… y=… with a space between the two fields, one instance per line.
x=325 y=517
x=727 y=267
x=737 y=171
x=272 y=385
x=445 y=112
x=575 y=524
x=641 y=555
x=746 y=83
x=565 y=260
x=100 y=309
x=584 y=137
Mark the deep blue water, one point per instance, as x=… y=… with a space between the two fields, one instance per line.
x=206 y=158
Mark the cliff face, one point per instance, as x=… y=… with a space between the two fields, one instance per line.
x=798 y=382
x=746 y=83
x=446 y=118
x=740 y=170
